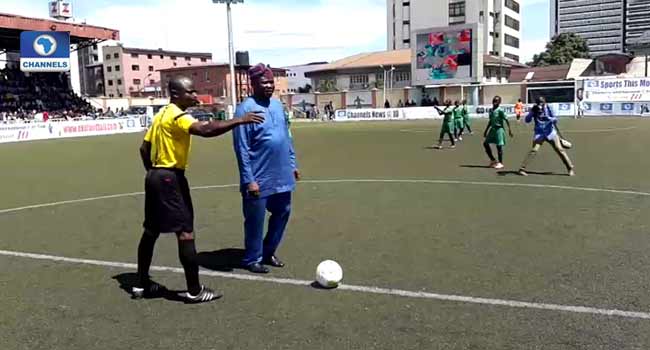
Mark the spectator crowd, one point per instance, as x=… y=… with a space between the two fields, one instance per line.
x=40 y=97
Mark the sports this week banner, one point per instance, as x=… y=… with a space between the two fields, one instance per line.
x=617 y=90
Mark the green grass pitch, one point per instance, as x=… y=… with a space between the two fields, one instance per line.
x=468 y=231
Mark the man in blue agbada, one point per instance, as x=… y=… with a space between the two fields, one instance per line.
x=267 y=171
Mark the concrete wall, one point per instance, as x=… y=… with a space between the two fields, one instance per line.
x=325 y=98
x=509 y=93
x=116 y=103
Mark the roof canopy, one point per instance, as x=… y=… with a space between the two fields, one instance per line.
x=12 y=25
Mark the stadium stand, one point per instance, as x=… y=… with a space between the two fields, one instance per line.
x=23 y=96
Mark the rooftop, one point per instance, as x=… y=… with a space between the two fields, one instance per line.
x=548 y=73
x=369 y=59
x=166 y=52
x=12 y=25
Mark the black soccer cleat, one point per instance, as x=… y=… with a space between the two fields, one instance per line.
x=205 y=295
x=152 y=290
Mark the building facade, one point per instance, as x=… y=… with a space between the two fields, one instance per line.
x=135 y=72
x=214 y=80
x=637 y=19
x=296 y=76
x=91 y=68
x=499 y=22
x=609 y=26
x=600 y=22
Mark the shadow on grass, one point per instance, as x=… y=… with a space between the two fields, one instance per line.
x=544 y=173
x=129 y=280
x=225 y=260
x=476 y=166
x=317 y=285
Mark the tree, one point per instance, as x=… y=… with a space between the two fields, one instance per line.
x=562 y=49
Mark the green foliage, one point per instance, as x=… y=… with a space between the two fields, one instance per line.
x=562 y=49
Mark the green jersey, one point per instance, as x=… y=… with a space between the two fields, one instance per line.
x=465 y=112
x=458 y=113
x=497 y=118
x=447 y=115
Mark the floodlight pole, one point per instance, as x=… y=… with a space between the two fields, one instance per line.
x=231 y=52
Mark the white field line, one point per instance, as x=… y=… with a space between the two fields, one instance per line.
x=352 y=288
x=408 y=181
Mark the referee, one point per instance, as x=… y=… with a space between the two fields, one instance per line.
x=168 y=205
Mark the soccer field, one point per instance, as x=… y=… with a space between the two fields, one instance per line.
x=438 y=251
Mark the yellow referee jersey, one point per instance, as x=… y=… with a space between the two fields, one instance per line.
x=170 y=139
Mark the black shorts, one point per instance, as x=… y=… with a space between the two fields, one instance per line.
x=167 y=202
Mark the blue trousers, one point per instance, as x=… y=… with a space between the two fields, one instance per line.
x=257 y=246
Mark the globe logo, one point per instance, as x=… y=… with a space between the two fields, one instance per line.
x=44 y=45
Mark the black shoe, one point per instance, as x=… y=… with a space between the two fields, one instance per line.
x=257 y=268
x=150 y=291
x=273 y=261
x=204 y=296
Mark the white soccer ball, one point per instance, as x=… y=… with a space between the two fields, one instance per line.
x=329 y=274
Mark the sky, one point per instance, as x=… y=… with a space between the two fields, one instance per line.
x=276 y=32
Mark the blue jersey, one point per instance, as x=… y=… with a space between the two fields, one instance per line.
x=545 y=122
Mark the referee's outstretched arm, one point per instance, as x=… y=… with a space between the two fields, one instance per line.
x=220 y=127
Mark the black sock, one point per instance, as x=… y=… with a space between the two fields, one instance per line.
x=500 y=153
x=188 y=257
x=488 y=150
x=145 y=255
x=451 y=138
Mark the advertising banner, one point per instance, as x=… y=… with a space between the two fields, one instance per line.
x=53 y=130
x=617 y=90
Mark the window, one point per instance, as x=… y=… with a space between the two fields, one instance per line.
x=187 y=58
x=135 y=67
x=511 y=56
x=94 y=46
x=162 y=56
x=175 y=64
x=204 y=60
x=206 y=77
x=151 y=81
x=513 y=5
x=457 y=9
x=116 y=55
x=137 y=82
x=108 y=57
x=402 y=76
x=494 y=35
x=95 y=58
x=151 y=68
x=119 y=81
x=149 y=56
x=359 y=79
x=512 y=41
x=121 y=95
x=135 y=55
x=117 y=68
x=110 y=83
x=173 y=58
x=512 y=23
x=109 y=69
